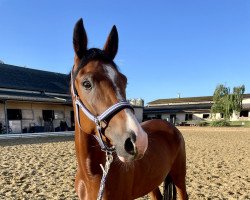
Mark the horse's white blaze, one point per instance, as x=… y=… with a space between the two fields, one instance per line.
x=112 y=75
x=141 y=136
x=131 y=121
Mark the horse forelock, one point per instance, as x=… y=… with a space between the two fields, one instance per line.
x=91 y=55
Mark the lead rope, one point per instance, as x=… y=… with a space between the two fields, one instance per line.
x=105 y=170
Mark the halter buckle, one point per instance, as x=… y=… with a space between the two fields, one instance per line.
x=97 y=122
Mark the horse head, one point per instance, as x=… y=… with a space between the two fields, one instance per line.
x=99 y=97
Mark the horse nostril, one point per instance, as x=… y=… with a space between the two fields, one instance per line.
x=129 y=146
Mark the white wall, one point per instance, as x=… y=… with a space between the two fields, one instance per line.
x=246 y=101
x=180 y=117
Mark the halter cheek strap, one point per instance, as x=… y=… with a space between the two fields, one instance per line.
x=111 y=111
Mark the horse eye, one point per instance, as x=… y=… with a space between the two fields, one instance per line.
x=87 y=85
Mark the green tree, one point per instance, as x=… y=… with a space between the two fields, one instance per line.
x=226 y=102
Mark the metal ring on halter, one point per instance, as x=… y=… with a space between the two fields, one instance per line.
x=97 y=122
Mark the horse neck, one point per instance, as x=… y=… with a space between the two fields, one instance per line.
x=89 y=153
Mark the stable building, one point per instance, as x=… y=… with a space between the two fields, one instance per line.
x=184 y=110
x=34 y=100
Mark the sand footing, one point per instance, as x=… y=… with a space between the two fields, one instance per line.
x=44 y=168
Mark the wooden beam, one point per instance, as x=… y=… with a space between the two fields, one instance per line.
x=6 y=117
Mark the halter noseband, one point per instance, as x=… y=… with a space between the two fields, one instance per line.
x=92 y=54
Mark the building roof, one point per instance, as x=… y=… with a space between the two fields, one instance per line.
x=185 y=105
x=185 y=108
x=25 y=84
x=181 y=100
x=35 y=96
x=21 y=78
x=186 y=100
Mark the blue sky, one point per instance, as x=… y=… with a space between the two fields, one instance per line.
x=165 y=47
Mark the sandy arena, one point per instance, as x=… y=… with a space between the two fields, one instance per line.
x=218 y=166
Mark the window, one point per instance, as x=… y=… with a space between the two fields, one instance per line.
x=14 y=114
x=205 y=116
x=244 y=113
x=48 y=115
x=158 y=116
x=221 y=115
x=188 y=117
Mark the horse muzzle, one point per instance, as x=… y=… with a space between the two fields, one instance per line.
x=133 y=147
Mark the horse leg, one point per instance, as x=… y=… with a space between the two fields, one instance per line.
x=178 y=174
x=80 y=187
x=155 y=194
x=181 y=188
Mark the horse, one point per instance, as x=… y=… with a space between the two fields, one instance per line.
x=144 y=155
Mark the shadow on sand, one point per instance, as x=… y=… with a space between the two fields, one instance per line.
x=35 y=140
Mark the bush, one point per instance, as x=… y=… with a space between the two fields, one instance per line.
x=203 y=123
x=220 y=123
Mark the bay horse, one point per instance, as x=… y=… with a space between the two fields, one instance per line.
x=144 y=155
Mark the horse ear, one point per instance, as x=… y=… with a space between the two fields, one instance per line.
x=111 y=45
x=80 y=39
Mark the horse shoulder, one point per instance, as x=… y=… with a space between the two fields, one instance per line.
x=163 y=128
x=164 y=143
